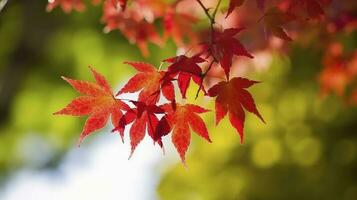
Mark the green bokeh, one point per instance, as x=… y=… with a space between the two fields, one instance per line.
x=306 y=150
x=36 y=49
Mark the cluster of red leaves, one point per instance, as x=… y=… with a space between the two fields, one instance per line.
x=137 y=22
x=144 y=113
x=99 y=103
x=339 y=72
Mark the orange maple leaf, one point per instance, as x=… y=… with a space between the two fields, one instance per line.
x=148 y=81
x=178 y=119
x=178 y=25
x=97 y=101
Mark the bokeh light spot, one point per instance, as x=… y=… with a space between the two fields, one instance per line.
x=266 y=153
x=307 y=151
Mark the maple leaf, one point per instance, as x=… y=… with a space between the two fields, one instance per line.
x=115 y=3
x=177 y=25
x=233 y=4
x=225 y=46
x=151 y=9
x=97 y=101
x=274 y=19
x=143 y=117
x=232 y=97
x=334 y=78
x=149 y=81
x=66 y=5
x=339 y=70
x=313 y=8
x=140 y=32
x=132 y=25
x=260 y=4
x=179 y=119
x=343 y=22
x=186 y=68
x=121 y=3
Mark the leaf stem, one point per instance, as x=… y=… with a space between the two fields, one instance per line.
x=203 y=76
x=123 y=99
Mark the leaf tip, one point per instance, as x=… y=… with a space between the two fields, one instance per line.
x=241 y=138
x=118 y=93
x=163 y=150
x=56 y=113
x=261 y=118
x=184 y=164
x=79 y=142
x=131 y=154
x=60 y=112
x=64 y=78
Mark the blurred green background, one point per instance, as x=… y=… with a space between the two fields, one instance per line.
x=36 y=48
x=307 y=149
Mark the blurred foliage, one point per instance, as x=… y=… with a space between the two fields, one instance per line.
x=307 y=149
x=36 y=48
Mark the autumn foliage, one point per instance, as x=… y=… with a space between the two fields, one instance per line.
x=210 y=54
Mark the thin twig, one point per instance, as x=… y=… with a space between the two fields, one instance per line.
x=212 y=21
x=205 y=10
x=216 y=9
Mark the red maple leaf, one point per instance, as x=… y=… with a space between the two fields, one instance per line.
x=121 y=3
x=143 y=117
x=260 y=4
x=313 y=8
x=151 y=9
x=232 y=97
x=178 y=25
x=66 y=5
x=178 y=119
x=132 y=25
x=186 y=68
x=97 y=101
x=339 y=70
x=224 y=46
x=334 y=78
x=149 y=81
x=274 y=19
x=140 y=32
x=233 y=4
